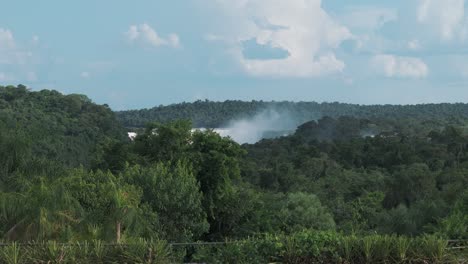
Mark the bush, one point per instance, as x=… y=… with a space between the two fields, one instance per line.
x=140 y=251
x=327 y=247
x=302 y=247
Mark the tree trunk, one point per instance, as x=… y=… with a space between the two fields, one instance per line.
x=117 y=230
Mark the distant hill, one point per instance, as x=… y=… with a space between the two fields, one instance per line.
x=219 y=114
x=46 y=124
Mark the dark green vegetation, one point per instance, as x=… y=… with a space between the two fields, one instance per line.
x=218 y=114
x=301 y=247
x=343 y=190
x=47 y=125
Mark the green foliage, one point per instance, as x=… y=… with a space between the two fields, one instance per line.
x=218 y=114
x=432 y=248
x=409 y=184
x=50 y=251
x=173 y=193
x=45 y=211
x=301 y=247
x=365 y=212
x=49 y=125
x=391 y=182
x=218 y=166
x=164 y=142
x=302 y=210
x=245 y=251
x=12 y=254
x=455 y=225
x=138 y=251
x=141 y=251
x=339 y=190
x=328 y=247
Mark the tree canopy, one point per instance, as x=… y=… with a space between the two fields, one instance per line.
x=69 y=173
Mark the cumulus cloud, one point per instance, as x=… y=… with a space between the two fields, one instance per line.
x=302 y=28
x=146 y=35
x=447 y=16
x=403 y=67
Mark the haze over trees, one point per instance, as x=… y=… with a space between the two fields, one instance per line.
x=69 y=173
x=219 y=114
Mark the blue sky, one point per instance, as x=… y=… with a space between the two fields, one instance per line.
x=136 y=54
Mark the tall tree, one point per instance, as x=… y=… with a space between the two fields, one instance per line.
x=173 y=193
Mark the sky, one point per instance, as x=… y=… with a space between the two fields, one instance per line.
x=144 y=53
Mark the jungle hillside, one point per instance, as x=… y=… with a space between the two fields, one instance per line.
x=349 y=184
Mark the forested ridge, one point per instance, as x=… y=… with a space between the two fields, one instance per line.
x=344 y=188
x=219 y=114
x=48 y=125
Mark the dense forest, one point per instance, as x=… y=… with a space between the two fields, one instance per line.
x=51 y=126
x=219 y=114
x=353 y=184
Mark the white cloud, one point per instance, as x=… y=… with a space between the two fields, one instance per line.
x=17 y=58
x=403 y=67
x=368 y=17
x=133 y=33
x=146 y=35
x=300 y=27
x=174 y=40
x=446 y=15
x=10 y=52
x=6 y=40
